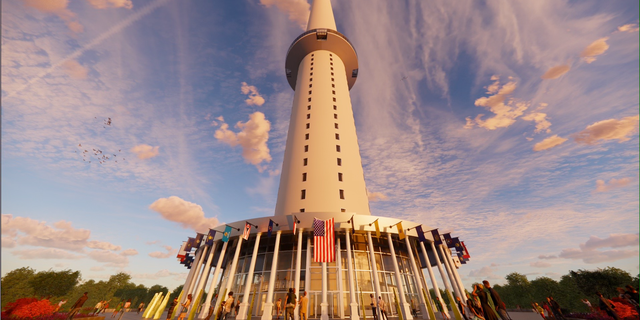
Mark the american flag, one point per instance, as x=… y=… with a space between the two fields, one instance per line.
x=323 y=241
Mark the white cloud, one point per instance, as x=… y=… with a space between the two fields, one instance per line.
x=596 y=48
x=610 y=129
x=111 y=259
x=555 y=72
x=45 y=253
x=297 y=10
x=613 y=241
x=129 y=252
x=547 y=257
x=602 y=186
x=506 y=110
x=37 y=233
x=59 y=8
x=188 y=214
x=632 y=27
x=145 y=151
x=253 y=137
x=103 y=4
x=160 y=274
x=376 y=196
x=589 y=253
x=8 y=242
x=103 y=245
x=97 y=268
x=484 y=273
x=549 y=143
x=74 y=69
x=542 y=124
x=540 y=264
x=163 y=255
x=255 y=99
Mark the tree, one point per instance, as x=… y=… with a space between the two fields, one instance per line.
x=177 y=290
x=604 y=280
x=54 y=283
x=15 y=285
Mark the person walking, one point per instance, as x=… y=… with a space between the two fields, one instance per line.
x=383 y=308
x=278 y=308
x=228 y=305
x=97 y=307
x=126 y=306
x=140 y=306
x=105 y=306
x=290 y=304
x=304 y=304
x=440 y=306
x=555 y=308
x=117 y=309
x=461 y=307
x=185 y=307
x=172 y=307
x=374 y=306
x=499 y=305
x=608 y=306
x=485 y=302
x=78 y=305
x=588 y=304
x=60 y=304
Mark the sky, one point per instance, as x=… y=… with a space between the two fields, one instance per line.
x=129 y=125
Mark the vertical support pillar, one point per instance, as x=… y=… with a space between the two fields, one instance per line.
x=214 y=280
x=418 y=279
x=340 y=288
x=446 y=283
x=232 y=272
x=268 y=306
x=405 y=308
x=324 y=306
x=296 y=283
x=205 y=275
x=244 y=312
x=456 y=277
x=307 y=274
x=374 y=268
x=352 y=282
x=200 y=261
x=190 y=276
x=432 y=276
x=447 y=266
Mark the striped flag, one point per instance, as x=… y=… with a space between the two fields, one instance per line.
x=247 y=231
x=323 y=240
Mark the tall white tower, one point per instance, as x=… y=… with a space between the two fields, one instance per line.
x=322 y=168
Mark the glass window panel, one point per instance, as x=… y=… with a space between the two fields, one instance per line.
x=388 y=263
x=240 y=265
x=260 y=262
x=362 y=261
x=364 y=280
x=284 y=260
x=378 y=261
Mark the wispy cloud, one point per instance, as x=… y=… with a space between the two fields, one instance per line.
x=549 y=143
x=595 y=49
x=631 y=27
x=602 y=186
x=610 y=129
x=163 y=255
x=145 y=151
x=555 y=72
x=506 y=110
x=59 y=8
x=296 y=10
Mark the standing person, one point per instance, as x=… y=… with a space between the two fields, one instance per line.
x=172 y=307
x=441 y=307
x=290 y=304
x=228 y=305
x=105 y=306
x=304 y=304
x=474 y=307
x=539 y=310
x=383 y=308
x=501 y=308
x=60 y=304
x=462 y=306
x=374 y=305
x=606 y=305
x=278 y=308
x=124 y=308
x=485 y=302
x=547 y=311
x=555 y=308
x=140 y=306
x=185 y=307
x=414 y=311
x=117 y=309
x=78 y=305
x=588 y=304
x=98 y=307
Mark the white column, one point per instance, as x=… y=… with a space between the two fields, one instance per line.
x=456 y=277
x=324 y=306
x=418 y=279
x=297 y=274
x=404 y=305
x=374 y=269
x=442 y=274
x=244 y=305
x=205 y=275
x=197 y=264
x=307 y=273
x=231 y=275
x=352 y=281
x=190 y=276
x=214 y=280
x=340 y=289
x=455 y=272
x=447 y=267
x=434 y=283
x=268 y=306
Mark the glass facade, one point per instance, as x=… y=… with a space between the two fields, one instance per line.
x=338 y=293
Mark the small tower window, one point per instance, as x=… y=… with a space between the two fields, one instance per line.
x=331 y=63
x=333 y=91
x=311 y=63
x=334 y=99
x=335 y=116
x=341 y=194
x=339 y=162
x=339 y=176
x=302 y=210
x=309 y=114
x=306 y=136
x=337 y=136
x=334 y=107
x=310 y=79
x=311 y=74
x=309 y=91
x=306 y=148
x=309 y=99
x=337 y=147
x=333 y=85
x=343 y=210
x=334 y=124
x=309 y=107
x=331 y=68
x=331 y=79
x=303 y=194
x=331 y=73
x=308 y=126
x=311 y=69
x=305 y=161
x=304 y=177
x=310 y=85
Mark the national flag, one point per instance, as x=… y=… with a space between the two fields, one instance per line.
x=295 y=224
x=227 y=234
x=448 y=240
x=353 y=227
x=437 y=240
x=461 y=258
x=420 y=234
x=210 y=236
x=377 y=228
x=465 y=253
x=199 y=237
x=270 y=229
x=456 y=244
x=400 y=231
x=182 y=252
x=247 y=231
x=323 y=240
x=190 y=244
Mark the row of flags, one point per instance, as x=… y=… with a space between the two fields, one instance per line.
x=323 y=239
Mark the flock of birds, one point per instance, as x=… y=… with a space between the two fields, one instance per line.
x=100 y=156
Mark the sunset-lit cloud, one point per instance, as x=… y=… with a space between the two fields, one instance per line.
x=145 y=151
x=506 y=110
x=163 y=255
x=37 y=233
x=555 y=72
x=596 y=48
x=45 y=253
x=103 y=4
x=589 y=253
x=540 y=264
x=602 y=186
x=255 y=99
x=297 y=10
x=542 y=124
x=632 y=27
x=75 y=70
x=103 y=245
x=610 y=129
x=549 y=143
x=376 y=196
x=59 y=8
x=188 y=214
x=253 y=137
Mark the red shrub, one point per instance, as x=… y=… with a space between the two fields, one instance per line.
x=34 y=309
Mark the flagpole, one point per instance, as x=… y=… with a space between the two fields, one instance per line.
x=352 y=293
x=297 y=274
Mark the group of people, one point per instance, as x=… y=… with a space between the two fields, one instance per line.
x=378 y=305
x=290 y=303
x=483 y=303
x=550 y=309
x=629 y=295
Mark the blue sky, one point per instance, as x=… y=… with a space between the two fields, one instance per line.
x=512 y=124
